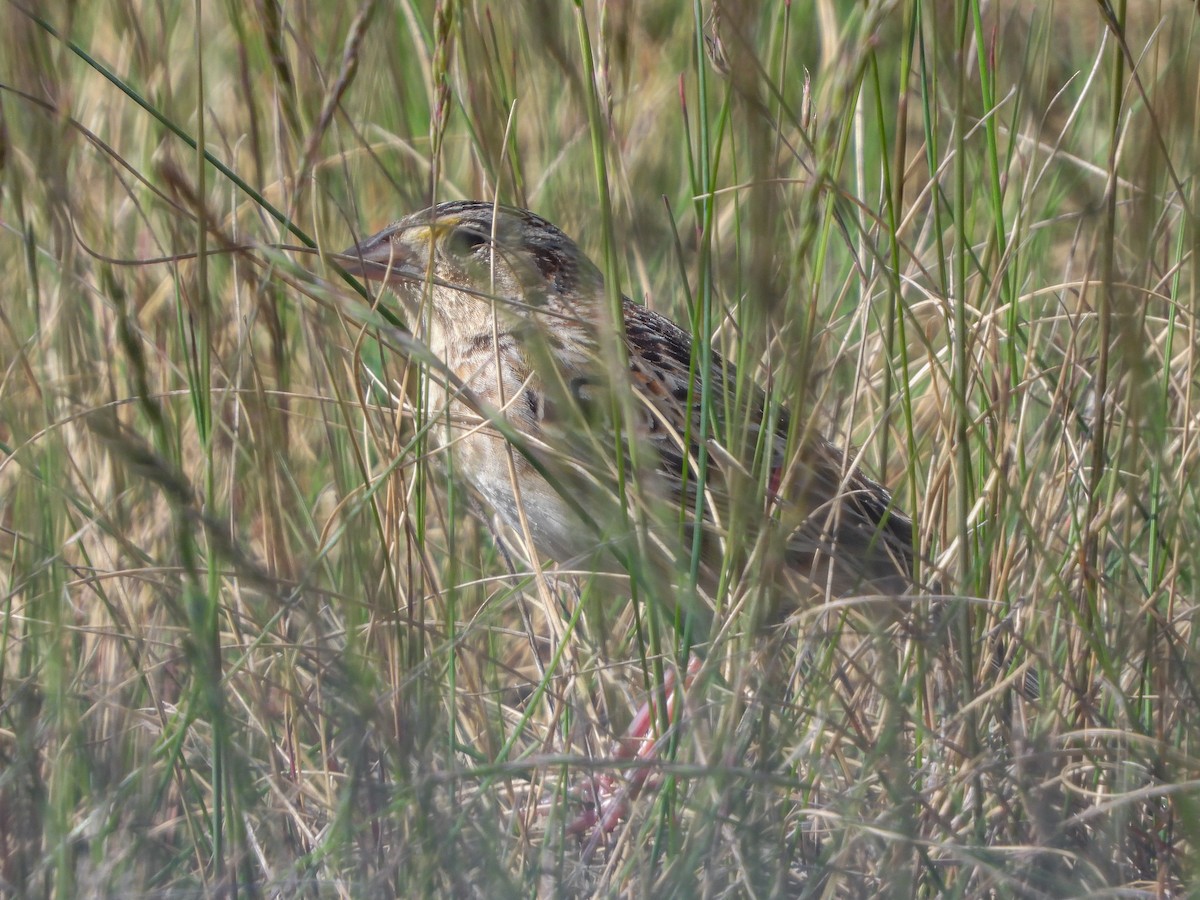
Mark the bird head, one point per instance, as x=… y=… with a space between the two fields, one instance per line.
x=462 y=259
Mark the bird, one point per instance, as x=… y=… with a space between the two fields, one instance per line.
x=518 y=317
x=583 y=430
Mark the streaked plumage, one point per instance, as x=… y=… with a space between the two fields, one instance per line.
x=517 y=312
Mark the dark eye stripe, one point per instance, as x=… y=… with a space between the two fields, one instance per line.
x=552 y=266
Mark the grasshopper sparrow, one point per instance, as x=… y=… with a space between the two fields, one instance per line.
x=518 y=316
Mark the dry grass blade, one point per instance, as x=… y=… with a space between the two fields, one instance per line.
x=260 y=631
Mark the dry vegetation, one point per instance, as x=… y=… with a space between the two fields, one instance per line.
x=254 y=638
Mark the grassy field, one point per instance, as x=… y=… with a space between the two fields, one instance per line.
x=256 y=638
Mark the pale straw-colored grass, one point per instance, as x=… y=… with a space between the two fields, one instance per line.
x=254 y=632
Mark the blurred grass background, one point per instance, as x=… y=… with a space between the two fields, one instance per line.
x=254 y=640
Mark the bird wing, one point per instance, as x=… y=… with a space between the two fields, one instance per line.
x=841 y=526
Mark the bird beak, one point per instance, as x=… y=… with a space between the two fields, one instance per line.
x=378 y=258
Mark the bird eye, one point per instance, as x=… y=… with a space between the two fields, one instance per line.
x=464 y=241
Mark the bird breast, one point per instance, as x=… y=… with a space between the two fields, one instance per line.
x=497 y=380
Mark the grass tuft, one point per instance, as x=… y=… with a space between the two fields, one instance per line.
x=256 y=636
